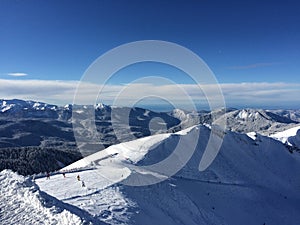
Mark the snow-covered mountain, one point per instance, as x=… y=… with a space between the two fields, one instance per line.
x=26 y=127
x=257 y=120
x=23 y=109
x=290 y=114
x=253 y=180
x=36 y=125
x=239 y=120
x=290 y=137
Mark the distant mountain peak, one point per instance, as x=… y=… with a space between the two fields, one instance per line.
x=100 y=106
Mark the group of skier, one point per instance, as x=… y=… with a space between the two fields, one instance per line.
x=64 y=175
x=82 y=182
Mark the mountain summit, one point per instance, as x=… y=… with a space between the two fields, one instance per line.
x=251 y=181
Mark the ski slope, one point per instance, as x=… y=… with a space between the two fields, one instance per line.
x=23 y=203
x=251 y=181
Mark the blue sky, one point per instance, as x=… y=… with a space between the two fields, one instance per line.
x=249 y=42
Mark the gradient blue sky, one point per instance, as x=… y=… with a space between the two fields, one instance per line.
x=241 y=41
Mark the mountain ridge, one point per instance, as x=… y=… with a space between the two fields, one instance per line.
x=249 y=182
x=38 y=125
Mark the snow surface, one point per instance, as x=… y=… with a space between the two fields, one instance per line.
x=244 y=114
x=5 y=107
x=23 y=203
x=290 y=136
x=16 y=104
x=251 y=181
x=284 y=135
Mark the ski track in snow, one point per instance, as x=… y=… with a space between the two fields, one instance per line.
x=251 y=181
x=23 y=203
x=100 y=197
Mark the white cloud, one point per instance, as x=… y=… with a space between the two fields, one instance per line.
x=235 y=94
x=262 y=94
x=255 y=65
x=17 y=74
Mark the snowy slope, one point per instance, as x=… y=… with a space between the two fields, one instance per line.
x=256 y=120
x=251 y=181
x=23 y=203
x=240 y=120
x=293 y=114
x=20 y=108
x=32 y=128
x=289 y=136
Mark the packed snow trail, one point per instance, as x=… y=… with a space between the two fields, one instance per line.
x=100 y=198
x=251 y=181
x=22 y=202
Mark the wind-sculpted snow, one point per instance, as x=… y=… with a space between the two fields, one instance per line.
x=21 y=202
x=251 y=181
x=289 y=136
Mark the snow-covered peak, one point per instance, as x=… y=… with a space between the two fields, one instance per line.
x=68 y=106
x=99 y=106
x=6 y=107
x=36 y=105
x=41 y=106
x=22 y=104
x=179 y=114
x=290 y=114
x=245 y=114
x=133 y=150
x=246 y=178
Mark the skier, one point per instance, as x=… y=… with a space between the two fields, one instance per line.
x=48 y=176
x=64 y=175
x=82 y=183
x=78 y=178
